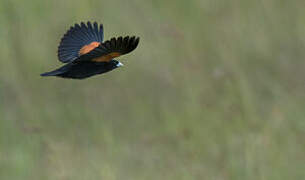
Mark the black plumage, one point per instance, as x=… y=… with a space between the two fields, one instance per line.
x=109 y=47
x=83 y=69
x=85 y=53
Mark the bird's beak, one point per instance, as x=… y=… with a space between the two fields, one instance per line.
x=119 y=64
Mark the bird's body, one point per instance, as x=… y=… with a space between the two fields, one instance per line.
x=85 y=53
x=83 y=70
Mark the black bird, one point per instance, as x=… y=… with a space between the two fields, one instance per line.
x=85 y=54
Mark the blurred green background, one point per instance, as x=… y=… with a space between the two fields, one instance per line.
x=215 y=90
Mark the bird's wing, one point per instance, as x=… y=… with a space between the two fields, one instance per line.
x=110 y=49
x=79 y=38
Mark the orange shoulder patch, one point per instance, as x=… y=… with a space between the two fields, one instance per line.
x=107 y=57
x=87 y=48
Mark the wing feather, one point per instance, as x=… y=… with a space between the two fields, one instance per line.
x=111 y=49
x=76 y=38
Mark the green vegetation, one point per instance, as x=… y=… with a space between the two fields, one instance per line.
x=215 y=90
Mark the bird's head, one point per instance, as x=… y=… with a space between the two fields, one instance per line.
x=116 y=63
x=113 y=64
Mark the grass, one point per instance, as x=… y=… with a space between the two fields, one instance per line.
x=215 y=90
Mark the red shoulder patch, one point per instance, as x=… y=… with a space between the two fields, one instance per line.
x=107 y=58
x=89 y=47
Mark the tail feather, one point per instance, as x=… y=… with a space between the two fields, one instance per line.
x=51 y=73
x=58 y=71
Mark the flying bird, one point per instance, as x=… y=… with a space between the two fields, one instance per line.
x=85 y=54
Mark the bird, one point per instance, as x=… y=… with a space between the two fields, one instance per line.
x=85 y=54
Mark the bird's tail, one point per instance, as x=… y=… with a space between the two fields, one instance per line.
x=57 y=72
x=51 y=73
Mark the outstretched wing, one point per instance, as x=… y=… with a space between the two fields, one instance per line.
x=111 y=49
x=79 y=38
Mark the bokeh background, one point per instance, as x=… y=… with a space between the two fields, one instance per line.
x=215 y=90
